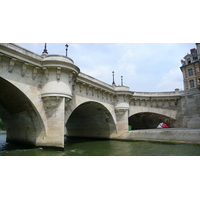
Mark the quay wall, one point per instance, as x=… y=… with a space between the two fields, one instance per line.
x=188 y=109
x=172 y=135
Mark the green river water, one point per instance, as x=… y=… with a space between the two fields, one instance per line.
x=96 y=147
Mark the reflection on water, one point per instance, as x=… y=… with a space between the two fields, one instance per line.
x=97 y=147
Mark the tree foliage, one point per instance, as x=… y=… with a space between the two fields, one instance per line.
x=2 y=126
x=199 y=84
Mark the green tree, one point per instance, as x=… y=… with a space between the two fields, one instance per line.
x=199 y=84
x=2 y=126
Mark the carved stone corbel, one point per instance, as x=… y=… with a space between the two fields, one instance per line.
x=163 y=102
x=67 y=100
x=11 y=66
x=51 y=102
x=156 y=103
x=106 y=94
x=92 y=90
x=34 y=73
x=74 y=85
x=46 y=71
x=125 y=97
x=120 y=111
x=117 y=98
x=102 y=92
x=58 y=73
x=23 y=70
x=81 y=87
x=111 y=97
x=86 y=90
x=72 y=77
x=97 y=92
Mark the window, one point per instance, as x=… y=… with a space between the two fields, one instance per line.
x=194 y=54
x=188 y=60
x=190 y=72
x=195 y=58
x=191 y=83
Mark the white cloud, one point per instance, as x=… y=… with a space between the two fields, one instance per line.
x=173 y=79
x=129 y=54
x=101 y=72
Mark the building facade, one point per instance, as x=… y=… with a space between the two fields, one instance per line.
x=191 y=68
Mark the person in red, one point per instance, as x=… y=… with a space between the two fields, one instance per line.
x=165 y=126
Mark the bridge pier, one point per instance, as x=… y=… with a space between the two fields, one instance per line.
x=122 y=120
x=55 y=127
x=122 y=109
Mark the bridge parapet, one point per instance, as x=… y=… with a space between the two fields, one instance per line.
x=159 y=94
x=156 y=99
x=86 y=80
x=21 y=50
x=94 y=83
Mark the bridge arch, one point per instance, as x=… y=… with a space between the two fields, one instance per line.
x=149 y=120
x=91 y=119
x=140 y=109
x=21 y=118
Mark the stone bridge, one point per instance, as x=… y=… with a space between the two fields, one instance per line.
x=44 y=98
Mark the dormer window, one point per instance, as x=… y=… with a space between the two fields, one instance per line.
x=190 y=72
x=194 y=55
x=188 y=60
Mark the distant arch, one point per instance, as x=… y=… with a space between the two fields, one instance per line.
x=148 y=120
x=90 y=119
x=140 y=109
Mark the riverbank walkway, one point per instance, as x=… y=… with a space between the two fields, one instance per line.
x=172 y=135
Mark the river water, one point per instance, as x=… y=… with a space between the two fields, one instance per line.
x=97 y=147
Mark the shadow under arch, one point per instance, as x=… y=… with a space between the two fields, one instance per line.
x=21 y=118
x=90 y=119
x=148 y=120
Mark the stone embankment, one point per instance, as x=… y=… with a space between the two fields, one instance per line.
x=188 y=110
x=172 y=135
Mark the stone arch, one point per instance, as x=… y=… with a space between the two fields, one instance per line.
x=91 y=119
x=149 y=120
x=22 y=120
x=160 y=111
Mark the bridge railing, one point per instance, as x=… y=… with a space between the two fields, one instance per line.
x=158 y=94
x=93 y=81
x=21 y=50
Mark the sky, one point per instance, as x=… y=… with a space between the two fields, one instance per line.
x=145 y=67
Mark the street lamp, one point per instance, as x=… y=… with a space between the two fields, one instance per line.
x=45 y=49
x=66 y=48
x=113 y=78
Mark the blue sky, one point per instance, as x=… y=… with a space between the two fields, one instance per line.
x=146 y=67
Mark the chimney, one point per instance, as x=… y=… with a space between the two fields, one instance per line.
x=192 y=50
x=198 y=50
